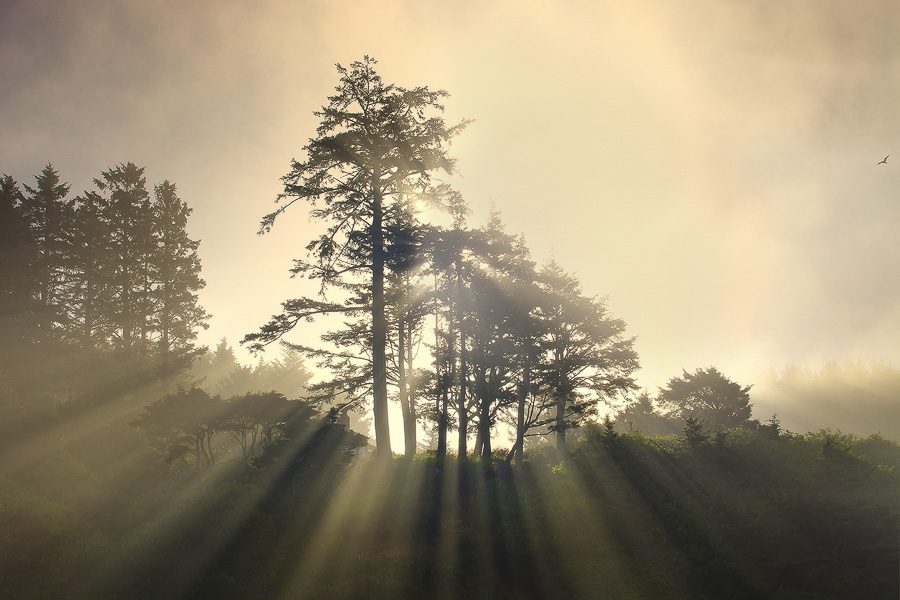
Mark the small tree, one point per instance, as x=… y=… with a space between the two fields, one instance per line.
x=253 y=419
x=709 y=397
x=693 y=432
x=183 y=423
x=641 y=414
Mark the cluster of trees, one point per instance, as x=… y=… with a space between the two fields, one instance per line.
x=219 y=372
x=112 y=268
x=184 y=425
x=460 y=326
x=99 y=308
x=508 y=340
x=703 y=399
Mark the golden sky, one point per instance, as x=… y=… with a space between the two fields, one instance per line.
x=710 y=166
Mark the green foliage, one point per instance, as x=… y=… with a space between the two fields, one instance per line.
x=694 y=435
x=709 y=397
x=183 y=424
x=642 y=414
x=754 y=516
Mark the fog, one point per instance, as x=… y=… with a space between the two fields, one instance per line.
x=710 y=167
x=668 y=369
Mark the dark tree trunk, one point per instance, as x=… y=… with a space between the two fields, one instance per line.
x=379 y=330
x=560 y=424
x=442 y=416
x=489 y=397
x=483 y=404
x=462 y=408
x=409 y=426
x=520 y=416
x=411 y=400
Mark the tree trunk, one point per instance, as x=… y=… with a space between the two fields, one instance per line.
x=379 y=330
x=88 y=330
x=442 y=390
x=411 y=399
x=408 y=424
x=481 y=391
x=520 y=416
x=560 y=423
x=462 y=408
x=484 y=418
x=442 y=416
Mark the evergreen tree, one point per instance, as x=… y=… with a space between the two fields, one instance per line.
x=502 y=262
x=49 y=212
x=586 y=358
x=287 y=374
x=125 y=204
x=93 y=269
x=642 y=414
x=376 y=143
x=16 y=270
x=212 y=368
x=176 y=274
x=407 y=304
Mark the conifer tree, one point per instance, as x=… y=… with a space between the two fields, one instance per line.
x=376 y=144
x=49 y=211
x=93 y=268
x=125 y=204
x=585 y=357
x=176 y=274
x=16 y=270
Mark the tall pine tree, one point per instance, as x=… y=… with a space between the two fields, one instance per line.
x=376 y=144
x=125 y=204
x=176 y=274
x=49 y=212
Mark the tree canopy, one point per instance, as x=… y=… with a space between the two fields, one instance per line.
x=709 y=397
x=376 y=148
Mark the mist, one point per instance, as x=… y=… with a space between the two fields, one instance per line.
x=627 y=295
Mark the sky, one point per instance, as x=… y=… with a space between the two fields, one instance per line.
x=710 y=167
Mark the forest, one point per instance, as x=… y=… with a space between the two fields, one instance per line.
x=137 y=463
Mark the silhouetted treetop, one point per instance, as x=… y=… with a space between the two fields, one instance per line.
x=708 y=397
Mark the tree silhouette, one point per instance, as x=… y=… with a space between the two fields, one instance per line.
x=48 y=211
x=375 y=145
x=585 y=359
x=16 y=272
x=184 y=424
x=125 y=205
x=641 y=414
x=176 y=273
x=709 y=398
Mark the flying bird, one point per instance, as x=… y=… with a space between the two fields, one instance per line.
x=884 y=161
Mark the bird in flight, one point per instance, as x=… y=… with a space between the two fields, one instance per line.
x=884 y=160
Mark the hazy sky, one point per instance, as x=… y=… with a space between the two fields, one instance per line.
x=710 y=166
